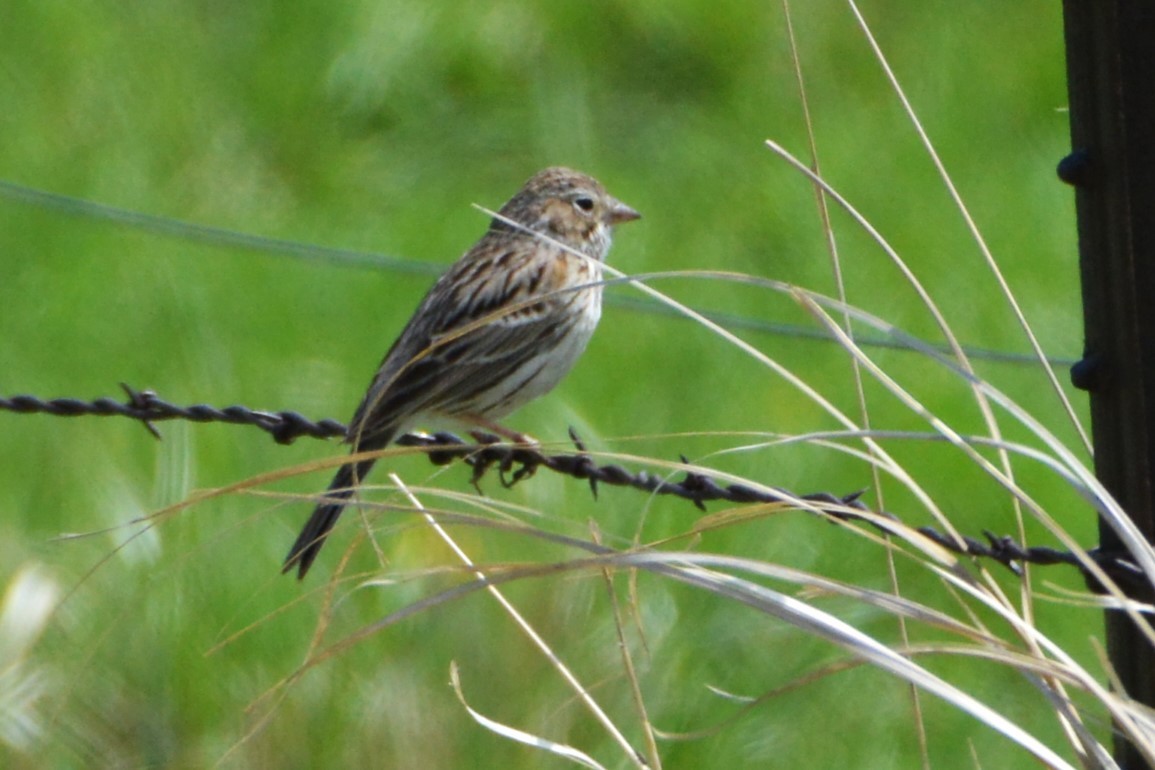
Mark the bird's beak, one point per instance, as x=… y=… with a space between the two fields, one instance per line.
x=620 y=212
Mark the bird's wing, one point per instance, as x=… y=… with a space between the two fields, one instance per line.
x=482 y=321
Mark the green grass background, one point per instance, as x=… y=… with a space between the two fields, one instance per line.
x=373 y=126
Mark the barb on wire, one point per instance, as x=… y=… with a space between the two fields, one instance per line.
x=147 y=408
x=515 y=463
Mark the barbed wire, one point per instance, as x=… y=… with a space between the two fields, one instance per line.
x=147 y=408
x=515 y=463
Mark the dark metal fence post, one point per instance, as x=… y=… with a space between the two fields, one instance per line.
x=1111 y=86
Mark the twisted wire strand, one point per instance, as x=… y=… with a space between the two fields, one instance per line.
x=515 y=463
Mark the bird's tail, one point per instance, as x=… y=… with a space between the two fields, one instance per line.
x=325 y=515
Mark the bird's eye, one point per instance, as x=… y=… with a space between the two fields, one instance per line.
x=584 y=203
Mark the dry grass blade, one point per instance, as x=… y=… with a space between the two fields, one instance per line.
x=688 y=568
x=972 y=226
x=512 y=733
x=538 y=641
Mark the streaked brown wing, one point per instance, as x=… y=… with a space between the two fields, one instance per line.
x=462 y=345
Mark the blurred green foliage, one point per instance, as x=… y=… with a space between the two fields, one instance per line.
x=374 y=126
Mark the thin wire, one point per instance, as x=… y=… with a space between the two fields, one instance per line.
x=213 y=236
x=224 y=237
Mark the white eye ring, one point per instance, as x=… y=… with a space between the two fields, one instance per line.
x=585 y=203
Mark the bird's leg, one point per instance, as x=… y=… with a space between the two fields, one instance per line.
x=512 y=436
x=526 y=454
